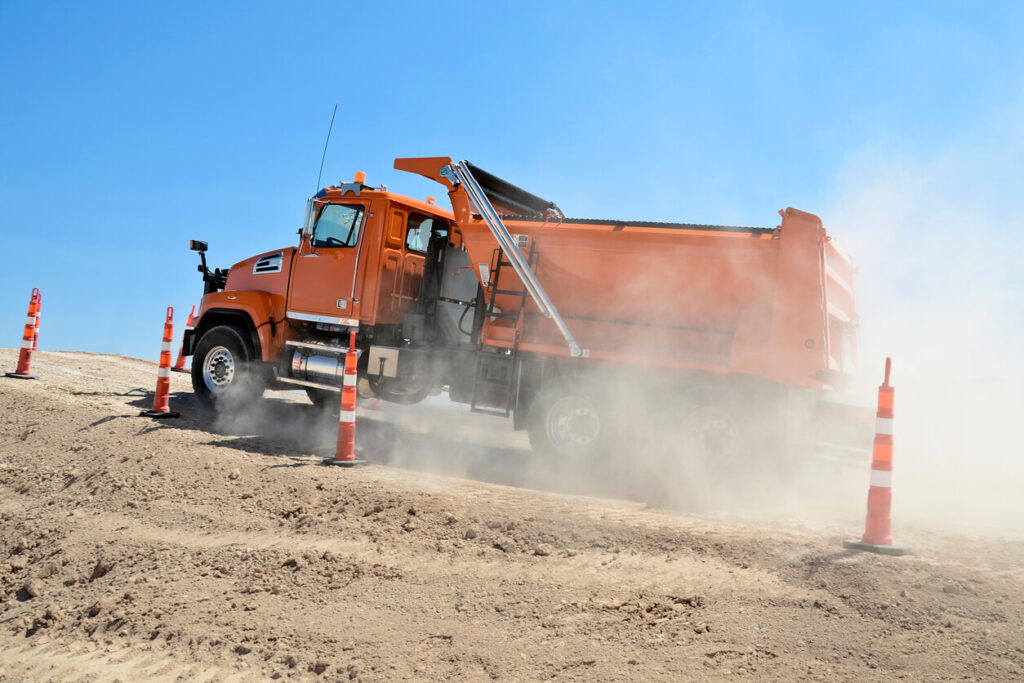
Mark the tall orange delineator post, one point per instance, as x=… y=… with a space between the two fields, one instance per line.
x=179 y=364
x=161 y=409
x=39 y=315
x=28 y=338
x=345 y=451
x=878 y=527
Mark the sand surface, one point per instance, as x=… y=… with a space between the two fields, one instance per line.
x=210 y=549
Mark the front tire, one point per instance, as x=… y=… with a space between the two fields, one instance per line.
x=224 y=371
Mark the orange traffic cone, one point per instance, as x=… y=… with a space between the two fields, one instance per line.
x=28 y=338
x=345 y=451
x=161 y=409
x=179 y=364
x=39 y=314
x=878 y=527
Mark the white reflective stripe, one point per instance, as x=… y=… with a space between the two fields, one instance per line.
x=26 y=344
x=30 y=321
x=881 y=478
x=883 y=425
x=351 y=380
x=165 y=346
x=347 y=416
x=163 y=372
x=345 y=322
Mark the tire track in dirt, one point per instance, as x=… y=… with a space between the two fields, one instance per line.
x=53 y=662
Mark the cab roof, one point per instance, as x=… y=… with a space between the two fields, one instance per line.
x=337 y=192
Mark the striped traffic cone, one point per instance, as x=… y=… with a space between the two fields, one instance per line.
x=179 y=364
x=161 y=409
x=345 y=451
x=878 y=527
x=28 y=338
x=39 y=315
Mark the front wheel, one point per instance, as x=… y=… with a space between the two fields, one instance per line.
x=224 y=372
x=568 y=420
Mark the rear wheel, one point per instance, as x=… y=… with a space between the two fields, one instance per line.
x=730 y=456
x=568 y=420
x=224 y=371
x=717 y=435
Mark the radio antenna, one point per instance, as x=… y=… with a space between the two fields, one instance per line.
x=324 y=155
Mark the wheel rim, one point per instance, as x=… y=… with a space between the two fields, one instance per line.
x=716 y=436
x=573 y=425
x=218 y=369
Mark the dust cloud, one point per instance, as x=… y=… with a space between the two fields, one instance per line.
x=939 y=289
x=282 y=424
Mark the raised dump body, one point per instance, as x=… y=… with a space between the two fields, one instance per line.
x=750 y=300
x=771 y=302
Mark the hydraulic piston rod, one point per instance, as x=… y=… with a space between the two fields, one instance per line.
x=459 y=172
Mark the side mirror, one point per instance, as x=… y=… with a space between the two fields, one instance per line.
x=197 y=245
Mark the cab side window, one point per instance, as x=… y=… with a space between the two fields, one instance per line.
x=338 y=226
x=420 y=228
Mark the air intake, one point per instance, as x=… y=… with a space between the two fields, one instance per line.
x=271 y=263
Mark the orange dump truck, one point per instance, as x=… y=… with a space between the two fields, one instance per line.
x=571 y=326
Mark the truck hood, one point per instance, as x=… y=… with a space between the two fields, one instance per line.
x=267 y=262
x=266 y=272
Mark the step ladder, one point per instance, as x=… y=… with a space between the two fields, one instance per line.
x=489 y=358
x=459 y=174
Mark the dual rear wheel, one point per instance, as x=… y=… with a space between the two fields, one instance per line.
x=569 y=419
x=574 y=417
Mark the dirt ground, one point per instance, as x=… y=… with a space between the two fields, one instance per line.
x=204 y=549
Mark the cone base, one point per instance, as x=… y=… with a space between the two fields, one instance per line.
x=879 y=549
x=179 y=370
x=159 y=416
x=17 y=376
x=344 y=463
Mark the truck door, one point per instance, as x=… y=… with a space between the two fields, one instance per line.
x=325 y=268
x=405 y=248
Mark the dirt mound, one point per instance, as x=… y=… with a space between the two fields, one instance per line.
x=205 y=548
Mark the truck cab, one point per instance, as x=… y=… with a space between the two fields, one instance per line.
x=281 y=318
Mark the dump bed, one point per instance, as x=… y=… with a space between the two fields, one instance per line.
x=775 y=302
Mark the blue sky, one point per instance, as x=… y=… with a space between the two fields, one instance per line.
x=125 y=130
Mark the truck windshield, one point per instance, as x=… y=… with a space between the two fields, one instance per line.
x=338 y=226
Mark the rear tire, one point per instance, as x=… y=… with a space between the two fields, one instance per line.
x=719 y=438
x=225 y=374
x=569 y=420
